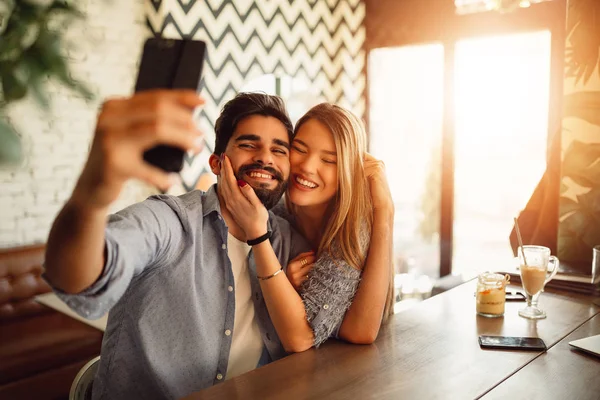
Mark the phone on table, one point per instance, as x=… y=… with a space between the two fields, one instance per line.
x=170 y=64
x=511 y=343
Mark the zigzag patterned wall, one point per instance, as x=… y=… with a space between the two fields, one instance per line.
x=316 y=40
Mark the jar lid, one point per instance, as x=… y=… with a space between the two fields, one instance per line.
x=493 y=278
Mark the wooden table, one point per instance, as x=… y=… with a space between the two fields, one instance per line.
x=561 y=373
x=427 y=352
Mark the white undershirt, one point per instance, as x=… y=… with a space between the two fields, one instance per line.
x=246 y=341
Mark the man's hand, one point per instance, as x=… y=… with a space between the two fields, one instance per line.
x=299 y=267
x=126 y=128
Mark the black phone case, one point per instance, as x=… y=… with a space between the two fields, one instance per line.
x=511 y=343
x=170 y=64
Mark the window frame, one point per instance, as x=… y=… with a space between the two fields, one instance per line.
x=421 y=26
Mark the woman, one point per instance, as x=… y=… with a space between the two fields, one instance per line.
x=338 y=198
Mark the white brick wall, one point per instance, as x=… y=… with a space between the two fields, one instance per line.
x=108 y=46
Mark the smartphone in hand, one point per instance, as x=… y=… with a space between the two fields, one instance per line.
x=170 y=64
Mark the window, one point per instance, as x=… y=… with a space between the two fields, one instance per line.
x=406 y=95
x=463 y=125
x=297 y=93
x=501 y=139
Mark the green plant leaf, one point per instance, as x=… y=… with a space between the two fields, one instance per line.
x=584 y=105
x=583 y=220
x=583 y=179
x=11 y=151
x=47 y=51
x=579 y=231
x=26 y=67
x=591 y=235
x=590 y=206
x=581 y=163
x=572 y=248
x=37 y=78
x=567 y=205
x=583 y=33
x=576 y=222
x=590 y=203
x=12 y=88
x=64 y=7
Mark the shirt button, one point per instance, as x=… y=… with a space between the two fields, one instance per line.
x=223 y=246
x=326 y=306
x=219 y=377
x=230 y=288
x=228 y=332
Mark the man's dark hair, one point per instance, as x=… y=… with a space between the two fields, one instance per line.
x=245 y=105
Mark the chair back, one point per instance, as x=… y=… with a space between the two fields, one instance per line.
x=81 y=389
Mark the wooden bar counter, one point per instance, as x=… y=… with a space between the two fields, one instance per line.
x=430 y=351
x=563 y=372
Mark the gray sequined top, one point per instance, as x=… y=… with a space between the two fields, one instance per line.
x=329 y=289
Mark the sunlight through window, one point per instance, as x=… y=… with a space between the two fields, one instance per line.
x=501 y=104
x=501 y=132
x=406 y=94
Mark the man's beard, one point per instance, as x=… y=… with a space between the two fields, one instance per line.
x=269 y=197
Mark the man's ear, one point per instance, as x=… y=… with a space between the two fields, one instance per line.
x=215 y=163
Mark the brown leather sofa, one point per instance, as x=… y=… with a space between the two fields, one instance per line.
x=41 y=350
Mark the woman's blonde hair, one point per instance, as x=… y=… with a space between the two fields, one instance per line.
x=347 y=232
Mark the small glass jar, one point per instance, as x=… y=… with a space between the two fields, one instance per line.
x=490 y=296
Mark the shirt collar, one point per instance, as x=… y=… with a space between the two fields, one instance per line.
x=211 y=201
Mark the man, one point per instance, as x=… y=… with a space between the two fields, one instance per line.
x=176 y=272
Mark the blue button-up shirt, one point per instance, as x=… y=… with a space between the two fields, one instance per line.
x=166 y=283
